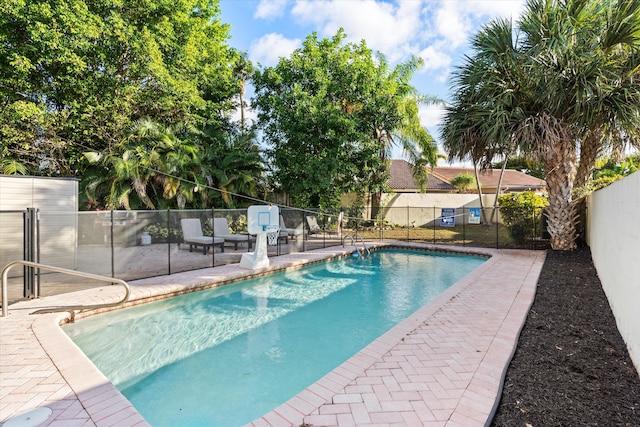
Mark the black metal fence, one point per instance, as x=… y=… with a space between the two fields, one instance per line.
x=133 y=245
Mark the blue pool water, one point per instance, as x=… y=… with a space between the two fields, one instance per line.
x=226 y=356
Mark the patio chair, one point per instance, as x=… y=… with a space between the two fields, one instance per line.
x=192 y=235
x=291 y=232
x=312 y=225
x=220 y=228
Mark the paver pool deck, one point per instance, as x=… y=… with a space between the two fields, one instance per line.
x=442 y=366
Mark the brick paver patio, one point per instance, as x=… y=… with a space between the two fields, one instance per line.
x=442 y=366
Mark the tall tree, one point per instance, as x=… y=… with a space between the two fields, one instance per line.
x=330 y=113
x=233 y=166
x=569 y=72
x=80 y=71
x=242 y=71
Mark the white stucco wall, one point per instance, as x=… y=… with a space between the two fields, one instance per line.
x=418 y=208
x=57 y=200
x=613 y=233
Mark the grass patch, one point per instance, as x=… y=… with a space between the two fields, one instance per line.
x=467 y=235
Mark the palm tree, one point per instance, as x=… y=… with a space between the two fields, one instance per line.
x=407 y=133
x=233 y=165
x=415 y=140
x=12 y=167
x=152 y=168
x=570 y=72
x=480 y=96
x=585 y=62
x=242 y=71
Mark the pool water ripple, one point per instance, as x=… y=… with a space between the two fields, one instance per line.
x=226 y=356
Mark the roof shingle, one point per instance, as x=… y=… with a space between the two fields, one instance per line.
x=439 y=178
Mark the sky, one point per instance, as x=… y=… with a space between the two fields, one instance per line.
x=438 y=31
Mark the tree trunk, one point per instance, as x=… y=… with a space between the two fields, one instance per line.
x=242 y=89
x=495 y=201
x=482 y=213
x=559 y=159
x=589 y=151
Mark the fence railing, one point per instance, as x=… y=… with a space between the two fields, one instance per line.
x=132 y=245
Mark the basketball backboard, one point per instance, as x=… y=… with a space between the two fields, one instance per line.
x=259 y=217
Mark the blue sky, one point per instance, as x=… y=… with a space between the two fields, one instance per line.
x=436 y=30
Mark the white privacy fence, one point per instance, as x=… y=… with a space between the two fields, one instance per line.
x=614 y=237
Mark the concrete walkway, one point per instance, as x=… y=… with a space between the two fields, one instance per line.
x=443 y=366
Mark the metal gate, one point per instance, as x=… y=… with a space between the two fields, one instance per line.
x=31 y=249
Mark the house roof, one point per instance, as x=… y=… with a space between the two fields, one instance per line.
x=439 y=178
x=402 y=179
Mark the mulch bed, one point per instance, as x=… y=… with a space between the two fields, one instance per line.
x=571 y=366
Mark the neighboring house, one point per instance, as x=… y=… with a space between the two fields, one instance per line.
x=513 y=181
x=402 y=181
x=406 y=205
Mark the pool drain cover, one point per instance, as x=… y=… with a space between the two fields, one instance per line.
x=29 y=419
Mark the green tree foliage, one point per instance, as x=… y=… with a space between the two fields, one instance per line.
x=83 y=72
x=330 y=114
x=608 y=167
x=465 y=182
x=608 y=171
x=233 y=166
x=141 y=171
x=160 y=167
x=564 y=82
x=522 y=214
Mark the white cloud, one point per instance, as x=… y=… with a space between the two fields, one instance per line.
x=435 y=58
x=456 y=21
x=431 y=115
x=386 y=27
x=269 y=9
x=434 y=30
x=268 y=49
x=452 y=24
x=504 y=8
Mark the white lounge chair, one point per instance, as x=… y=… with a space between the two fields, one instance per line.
x=312 y=225
x=220 y=228
x=291 y=232
x=192 y=235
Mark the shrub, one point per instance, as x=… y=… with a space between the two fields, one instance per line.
x=465 y=182
x=522 y=213
x=160 y=234
x=353 y=214
x=238 y=224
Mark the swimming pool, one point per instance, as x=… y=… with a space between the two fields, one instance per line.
x=228 y=355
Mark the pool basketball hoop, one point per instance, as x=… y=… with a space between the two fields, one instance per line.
x=263 y=222
x=272 y=235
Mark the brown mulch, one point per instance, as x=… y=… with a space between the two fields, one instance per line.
x=571 y=366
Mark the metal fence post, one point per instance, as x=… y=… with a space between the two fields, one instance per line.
x=305 y=234
x=31 y=252
x=498 y=230
x=169 y=238
x=213 y=247
x=464 y=236
x=113 y=249
x=434 y=225
x=408 y=225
